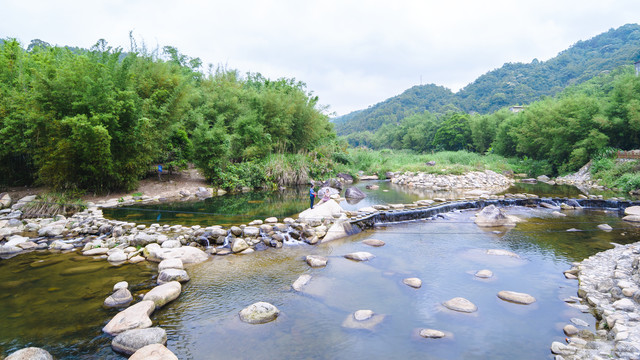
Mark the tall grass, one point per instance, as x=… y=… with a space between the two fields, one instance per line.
x=52 y=204
x=446 y=162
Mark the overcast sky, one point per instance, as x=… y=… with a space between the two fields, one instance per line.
x=352 y=54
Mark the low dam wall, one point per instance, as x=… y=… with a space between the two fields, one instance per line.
x=369 y=220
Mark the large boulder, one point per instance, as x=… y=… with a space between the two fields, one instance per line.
x=339 y=230
x=130 y=341
x=143 y=239
x=259 y=313
x=325 y=210
x=170 y=264
x=188 y=254
x=30 y=353
x=134 y=317
x=632 y=210
x=153 y=352
x=354 y=193
x=492 y=216
x=169 y=275
x=5 y=200
x=163 y=294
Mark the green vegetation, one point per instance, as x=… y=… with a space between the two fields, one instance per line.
x=100 y=119
x=446 y=162
x=512 y=84
x=623 y=175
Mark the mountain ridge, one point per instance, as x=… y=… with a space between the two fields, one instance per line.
x=511 y=84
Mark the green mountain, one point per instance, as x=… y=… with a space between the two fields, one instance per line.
x=511 y=84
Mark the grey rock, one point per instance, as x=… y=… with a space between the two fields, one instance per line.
x=460 y=304
x=153 y=352
x=432 y=334
x=120 y=298
x=316 y=260
x=134 y=317
x=30 y=353
x=301 y=281
x=130 y=341
x=360 y=256
x=354 y=193
x=516 y=297
x=170 y=264
x=413 y=282
x=259 y=313
x=169 y=275
x=163 y=294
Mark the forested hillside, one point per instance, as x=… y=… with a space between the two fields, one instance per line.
x=100 y=119
x=512 y=84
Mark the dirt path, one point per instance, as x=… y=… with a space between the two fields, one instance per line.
x=168 y=185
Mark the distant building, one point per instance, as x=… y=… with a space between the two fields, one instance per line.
x=515 y=109
x=637 y=64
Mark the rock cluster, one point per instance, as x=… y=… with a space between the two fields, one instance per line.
x=609 y=286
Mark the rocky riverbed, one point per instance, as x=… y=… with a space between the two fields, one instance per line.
x=175 y=245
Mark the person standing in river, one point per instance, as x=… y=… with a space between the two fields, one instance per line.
x=312 y=195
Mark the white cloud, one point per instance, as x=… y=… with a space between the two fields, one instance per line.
x=352 y=54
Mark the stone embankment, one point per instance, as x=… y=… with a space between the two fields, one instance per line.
x=487 y=180
x=610 y=288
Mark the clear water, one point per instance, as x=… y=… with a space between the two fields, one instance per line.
x=41 y=306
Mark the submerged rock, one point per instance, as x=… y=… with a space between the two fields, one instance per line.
x=373 y=242
x=259 y=313
x=301 y=282
x=363 y=319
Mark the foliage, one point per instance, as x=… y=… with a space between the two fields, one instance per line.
x=624 y=175
x=98 y=119
x=51 y=204
x=454 y=133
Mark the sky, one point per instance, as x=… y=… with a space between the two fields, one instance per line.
x=351 y=54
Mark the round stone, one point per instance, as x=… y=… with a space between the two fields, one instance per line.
x=413 y=282
x=484 y=274
x=460 y=304
x=259 y=313
x=501 y=252
x=362 y=315
x=516 y=297
x=431 y=334
x=30 y=353
x=570 y=330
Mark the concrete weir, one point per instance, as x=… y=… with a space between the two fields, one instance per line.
x=369 y=220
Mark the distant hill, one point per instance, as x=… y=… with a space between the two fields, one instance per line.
x=511 y=84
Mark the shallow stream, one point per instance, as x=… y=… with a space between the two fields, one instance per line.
x=60 y=309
